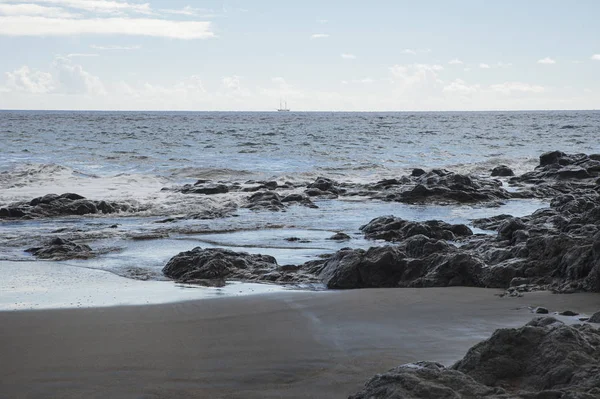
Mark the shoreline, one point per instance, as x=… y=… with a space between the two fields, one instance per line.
x=301 y=344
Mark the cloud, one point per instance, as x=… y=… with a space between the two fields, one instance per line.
x=455 y=61
x=461 y=87
x=547 y=61
x=319 y=36
x=484 y=66
x=231 y=82
x=596 y=57
x=111 y=48
x=415 y=75
x=322 y=21
x=95 y=6
x=73 y=55
x=29 y=80
x=347 y=56
x=408 y=51
x=64 y=78
x=504 y=64
x=34 y=9
x=510 y=87
x=42 y=26
x=190 y=12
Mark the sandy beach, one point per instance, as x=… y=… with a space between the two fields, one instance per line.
x=292 y=345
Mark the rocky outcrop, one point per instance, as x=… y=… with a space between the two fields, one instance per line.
x=265 y=200
x=391 y=228
x=502 y=171
x=59 y=249
x=418 y=261
x=323 y=186
x=52 y=205
x=212 y=266
x=544 y=359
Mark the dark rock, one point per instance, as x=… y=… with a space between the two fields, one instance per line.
x=215 y=265
x=545 y=359
x=595 y=318
x=417 y=172
x=502 y=171
x=391 y=228
x=424 y=380
x=60 y=249
x=339 y=237
x=265 y=200
x=540 y=310
x=52 y=205
x=205 y=188
x=568 y=313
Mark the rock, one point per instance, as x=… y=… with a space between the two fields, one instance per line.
x=543 y=359
x=424 y=380
x=212 y=266
x=540 y=310
x=568 y=313
x=339 y=237
x=595 y=318
x=391 y=228
x=204 y=187
x=418 y=262
x=323 y=184
x=265 y=200
x=52 y=205
x=491 y=223
x=60 y=249
x=502 y=171
x=417 y=172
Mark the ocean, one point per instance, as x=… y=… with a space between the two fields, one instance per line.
x=136 y=157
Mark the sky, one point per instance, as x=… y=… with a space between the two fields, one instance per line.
x=315 y=55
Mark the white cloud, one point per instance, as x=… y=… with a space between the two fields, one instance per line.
x=34 y=9
x=347 y=56
x=510 y=87
x=413 y=75
x=408 y=51
x=231 y=82
x=455 y=61
x=319 y=36
x=461 y=87
x=72 y=79
x=596 y=57
x=96 y=6
x=191 y=12
x=64 y=78
x=504 y=64
x=29 y=80
x=547 y=61
x=41 y=26
x=484 y=66
x=73 y=55
x=322 y=21
x=111 y=48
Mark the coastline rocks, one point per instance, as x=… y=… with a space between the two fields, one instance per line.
x=502 y=171
x=265 y=200
x=52 y=205
x=60 y=249
x=390 y=228
x=557 y=165
x=444 y=187
x=418 y=262
x=595 y=318
x=543 y=359
x=205 y=187
x=212 y=266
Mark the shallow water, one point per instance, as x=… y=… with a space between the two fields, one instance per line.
x=131 y=156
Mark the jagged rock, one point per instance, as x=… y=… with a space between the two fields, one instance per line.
x=391 y=228
x=52 y=205
x=60 y=249
x=212 y=266
x=339 y=237
x=568 y=313
x=540 y=310
x=595 y=318
x=424 y=380
x=417 y=172
x=265 y=200
x=543 y=359
x=205 y=187
x=418 y=262
x=491 y=223
x=502 y=171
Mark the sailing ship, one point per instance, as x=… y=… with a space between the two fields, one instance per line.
x=283 y=107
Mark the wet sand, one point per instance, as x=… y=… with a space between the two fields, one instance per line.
x=277 y=345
